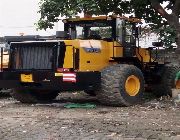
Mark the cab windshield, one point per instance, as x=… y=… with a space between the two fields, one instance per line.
x=90 y=29
x=115 y=29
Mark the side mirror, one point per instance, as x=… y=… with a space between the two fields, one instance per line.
x=62 y=34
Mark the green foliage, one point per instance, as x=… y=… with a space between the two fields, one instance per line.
x=144 y=10
x=167 y=35
x=51 y=10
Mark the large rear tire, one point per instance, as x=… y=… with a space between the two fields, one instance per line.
x=34 y=96
x=121 y=85
x=167 y=81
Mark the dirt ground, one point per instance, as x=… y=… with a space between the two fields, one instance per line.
x=155 y=119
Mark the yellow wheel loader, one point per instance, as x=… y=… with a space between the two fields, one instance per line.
x=98 y=55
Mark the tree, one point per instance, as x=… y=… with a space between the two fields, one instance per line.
x=50 y=10
x=150 y=10
x=173 y=18
x=166 y=24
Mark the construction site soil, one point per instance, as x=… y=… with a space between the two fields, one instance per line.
x=155 y=119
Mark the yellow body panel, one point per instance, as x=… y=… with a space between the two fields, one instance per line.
x=88 y=61
x=58 y=74
x=96 y=61
x=28 y=78
x=143 y=54
x=93 y=61
x=117 y=51
x=68 y=60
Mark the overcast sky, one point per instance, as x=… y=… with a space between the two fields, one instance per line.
x=19 y=16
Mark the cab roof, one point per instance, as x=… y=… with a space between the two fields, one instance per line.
x=89 y=18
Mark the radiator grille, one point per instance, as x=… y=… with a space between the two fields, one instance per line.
x=33 y=56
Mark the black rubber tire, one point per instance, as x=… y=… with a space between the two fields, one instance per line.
x=167 y=81
x=34 y=96
x=113 y=92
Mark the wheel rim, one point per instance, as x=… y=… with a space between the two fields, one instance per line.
x=132 y=85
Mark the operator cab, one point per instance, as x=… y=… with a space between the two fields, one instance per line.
x=90 y=28
x=108 y=28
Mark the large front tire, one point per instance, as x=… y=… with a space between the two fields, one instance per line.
x=34 y=96
x=121 y=85
x=167 y=81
